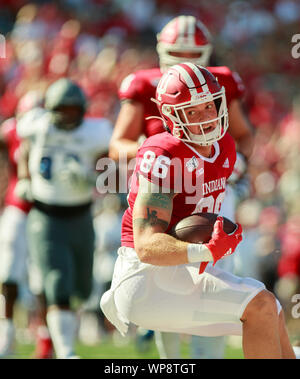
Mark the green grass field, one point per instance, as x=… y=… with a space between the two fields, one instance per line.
x=108 y=350
x=112 y=346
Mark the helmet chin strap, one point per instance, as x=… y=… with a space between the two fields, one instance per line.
x=196 y=138
x=201 y=139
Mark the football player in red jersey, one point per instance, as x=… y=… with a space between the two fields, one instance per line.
x=156 y=281
x=183 y=38
x=12 y=238
x=13 y=253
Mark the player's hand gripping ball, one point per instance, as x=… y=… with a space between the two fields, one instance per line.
x=219 y=234
x=198 y=227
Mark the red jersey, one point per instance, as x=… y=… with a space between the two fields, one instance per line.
x=9 y=133
x=141 y=86
x=289 y=261
x=176 y=166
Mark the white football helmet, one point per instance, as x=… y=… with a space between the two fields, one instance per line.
x=184 y=34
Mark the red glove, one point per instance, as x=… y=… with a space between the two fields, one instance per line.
x=221 y=244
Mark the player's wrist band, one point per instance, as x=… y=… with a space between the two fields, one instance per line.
x=197 y=252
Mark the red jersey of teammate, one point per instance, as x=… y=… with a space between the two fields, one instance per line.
x=289 y=261
x=141 y=86
x=8 y=131
x=176 y=166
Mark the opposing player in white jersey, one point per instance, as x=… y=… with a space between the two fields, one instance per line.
x=58 y=175
x=156 y=281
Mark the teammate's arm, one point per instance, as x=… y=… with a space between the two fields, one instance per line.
x=127 y=130
x=240 y=128
x=151 y=217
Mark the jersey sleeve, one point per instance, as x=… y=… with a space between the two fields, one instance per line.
x=232 y=82
x=27 y=126
x=237 y=85
x=230 y=148
x=132 y=88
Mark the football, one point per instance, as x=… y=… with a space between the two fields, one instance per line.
x=198 y=227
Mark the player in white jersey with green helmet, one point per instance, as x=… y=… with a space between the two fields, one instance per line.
x=58 y=174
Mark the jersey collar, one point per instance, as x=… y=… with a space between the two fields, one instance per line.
x=211 y=159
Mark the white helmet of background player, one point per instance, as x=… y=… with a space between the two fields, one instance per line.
x=186 y=85
x=184 y=34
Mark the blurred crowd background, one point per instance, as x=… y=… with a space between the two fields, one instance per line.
x=98 y=42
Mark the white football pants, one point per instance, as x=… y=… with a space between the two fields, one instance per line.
x=176 y=298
